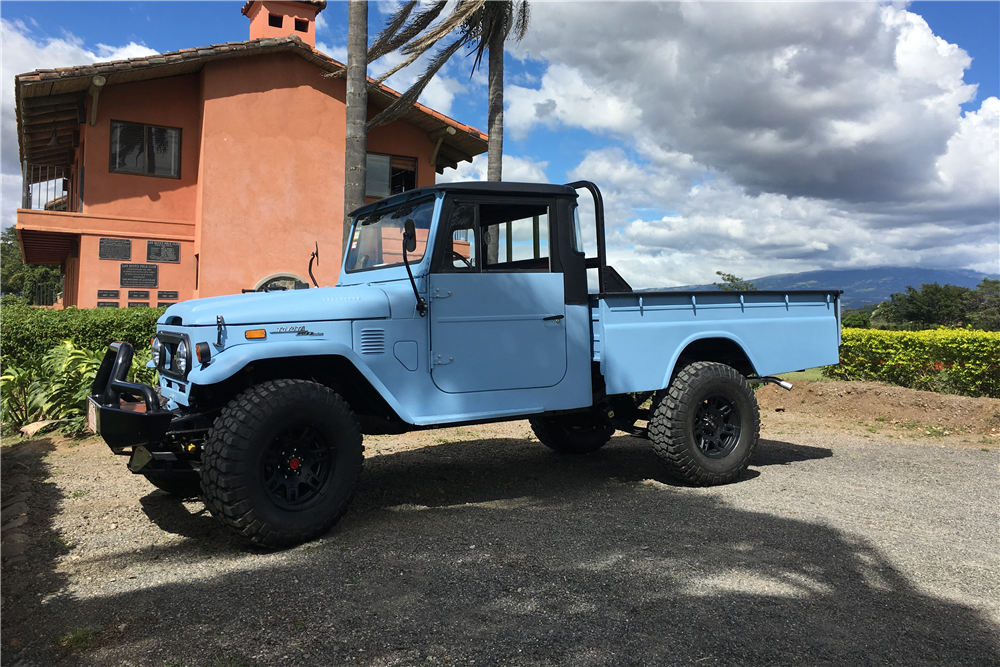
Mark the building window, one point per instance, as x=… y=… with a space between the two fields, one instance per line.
x=274 y=20
x=145 y=149
x=301 y=25
x=389 y=175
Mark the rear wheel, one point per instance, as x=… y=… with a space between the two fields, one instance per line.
x=281 y=462
x=572 y=434
x=707 y=426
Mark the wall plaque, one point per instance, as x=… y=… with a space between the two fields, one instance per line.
x=161 y=304
x=166 y=295
x=140 y=275
x=138 y=304
x=107 y=294
x=138 y=294
x=107 y=304
x=114 y=249
x=163 y=251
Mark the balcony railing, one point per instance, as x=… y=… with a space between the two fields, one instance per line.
x=45 y=188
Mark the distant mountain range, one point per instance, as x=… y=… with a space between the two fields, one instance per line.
x=861 y=286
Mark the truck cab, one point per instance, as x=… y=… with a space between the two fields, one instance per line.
x=457 y=304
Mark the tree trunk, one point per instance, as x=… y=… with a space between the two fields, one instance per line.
x=495 y=140
x=355 y=146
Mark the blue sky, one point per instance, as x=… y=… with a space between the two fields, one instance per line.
x=753 y=138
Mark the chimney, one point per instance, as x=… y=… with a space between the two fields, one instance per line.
x=271 y=18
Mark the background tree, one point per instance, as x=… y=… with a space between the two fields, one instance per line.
x=932 y=304
x=983 y=304
x=731 y=283
x=16 y=277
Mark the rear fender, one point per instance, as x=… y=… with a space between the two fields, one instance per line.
x=704 y=336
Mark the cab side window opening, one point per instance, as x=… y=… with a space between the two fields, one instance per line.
x=460 y=253
x=515 y=237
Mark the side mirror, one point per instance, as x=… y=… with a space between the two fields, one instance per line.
x=409 y=236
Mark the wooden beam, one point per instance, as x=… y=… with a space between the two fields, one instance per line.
x=53 y=108
x=438 y=136
x=50 y=117
x=455 y=154
x=443 y=163
x=95 y=92
x=48 y=100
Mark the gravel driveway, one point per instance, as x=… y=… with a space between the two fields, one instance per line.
x=479 y=546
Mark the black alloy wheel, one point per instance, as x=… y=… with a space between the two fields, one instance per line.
x=296 y=467
x=717 y=426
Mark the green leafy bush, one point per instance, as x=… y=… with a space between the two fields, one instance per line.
x=28 y=333
x=57 y=384
x=958 y=361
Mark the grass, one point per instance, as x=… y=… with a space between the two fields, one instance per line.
x=79 y=639
x=808 y=375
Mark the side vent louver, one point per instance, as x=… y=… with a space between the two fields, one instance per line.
x=372 y=341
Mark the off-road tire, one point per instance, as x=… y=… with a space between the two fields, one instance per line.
x=707 y=426
x=180 y=485
x=572 y=434
x=258 y=445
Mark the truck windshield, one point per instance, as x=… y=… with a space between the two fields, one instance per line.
x=377 y=240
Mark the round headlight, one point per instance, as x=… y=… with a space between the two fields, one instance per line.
x=182 y=357
x=157 y=349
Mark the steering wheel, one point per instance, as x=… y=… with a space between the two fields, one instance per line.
x=456 y=255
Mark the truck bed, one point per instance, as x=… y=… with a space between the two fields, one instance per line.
x=637 y=337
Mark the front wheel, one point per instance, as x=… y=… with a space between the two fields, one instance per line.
x=706 y=428
x=572 y=434
x=281 y=462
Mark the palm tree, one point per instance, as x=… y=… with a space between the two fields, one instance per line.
x=485 y=26
x=355 y=145
x=490 y=26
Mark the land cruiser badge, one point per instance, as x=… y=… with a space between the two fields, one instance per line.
x=298 y=331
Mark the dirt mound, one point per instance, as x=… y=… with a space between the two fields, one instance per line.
x=886 y=405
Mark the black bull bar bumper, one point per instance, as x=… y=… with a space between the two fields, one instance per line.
x=124 y=413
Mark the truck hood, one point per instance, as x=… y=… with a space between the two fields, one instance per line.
x=307 y=305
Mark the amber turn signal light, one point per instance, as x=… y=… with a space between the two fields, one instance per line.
x=254 y=334
x=203 y=352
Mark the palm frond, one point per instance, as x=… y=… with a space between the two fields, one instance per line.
x=405 y=102
x=395 y=36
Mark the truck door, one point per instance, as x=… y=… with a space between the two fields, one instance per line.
x=497 y=311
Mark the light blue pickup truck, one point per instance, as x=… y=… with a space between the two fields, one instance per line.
x=457 y=304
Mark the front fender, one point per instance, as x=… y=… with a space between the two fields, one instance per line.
x=236 y=358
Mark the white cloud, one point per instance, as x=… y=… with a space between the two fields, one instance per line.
x=515 y=170
x=565 y=97
x=322 y=25
x=22 y=53
x=337 y=52
x=759 y=138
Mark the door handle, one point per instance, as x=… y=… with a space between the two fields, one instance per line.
x=553 y=317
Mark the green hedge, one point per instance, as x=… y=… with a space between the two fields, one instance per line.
x=27 y=333
x=957 y=361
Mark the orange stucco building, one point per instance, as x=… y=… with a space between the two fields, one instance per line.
x=209 y=170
